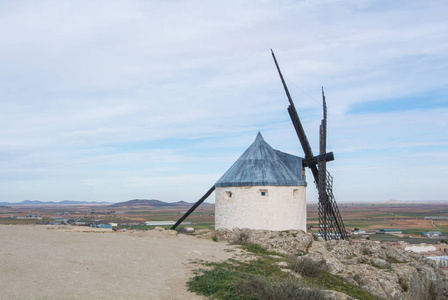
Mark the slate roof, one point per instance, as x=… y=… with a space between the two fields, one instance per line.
x=260 y=165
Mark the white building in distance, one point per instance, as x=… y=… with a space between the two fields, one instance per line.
x=263 y=189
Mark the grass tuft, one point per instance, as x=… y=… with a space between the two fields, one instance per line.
x=337 y=283
x=257 y=287
x=257 y=249
x=393 y=260
x=219 y=283
x=308 y=267
x=403 y=284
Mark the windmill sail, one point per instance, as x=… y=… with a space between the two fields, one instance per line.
x=193 y=208
x=331 y=225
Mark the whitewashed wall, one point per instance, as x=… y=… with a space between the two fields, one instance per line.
x=283 y=207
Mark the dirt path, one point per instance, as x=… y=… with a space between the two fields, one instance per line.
x=41 y=263
x=433 y=224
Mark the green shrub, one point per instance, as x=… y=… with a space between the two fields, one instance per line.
x=256 y=249
x=366 y=251
x=392 y=260
x=263 y=288
x=330 y=281
x=403 y=284
x=315 y=273
x=380 y=267
x=437 y=289
x=241 y=238
x=308 y=246
x=307 y=267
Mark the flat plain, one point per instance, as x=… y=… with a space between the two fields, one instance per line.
x=412 y=217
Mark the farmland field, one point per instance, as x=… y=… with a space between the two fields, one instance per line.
x=411 y=217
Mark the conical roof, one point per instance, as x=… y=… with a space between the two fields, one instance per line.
x=261 y=165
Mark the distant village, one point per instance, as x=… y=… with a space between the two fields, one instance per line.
x=89 y=220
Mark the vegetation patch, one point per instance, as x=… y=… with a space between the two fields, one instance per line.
x=315 y=273
x=403 y=284
x=393 y=260
x=257 y=287
x=219 y=283
x=380 y=267
x=308 y=267
x=262 y=278
x=329 y=281
x=257 y=249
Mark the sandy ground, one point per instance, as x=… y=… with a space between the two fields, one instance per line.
x=41 y=262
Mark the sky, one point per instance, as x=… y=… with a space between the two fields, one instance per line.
x=119 y=100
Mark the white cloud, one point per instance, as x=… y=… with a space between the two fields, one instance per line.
x=189 y=84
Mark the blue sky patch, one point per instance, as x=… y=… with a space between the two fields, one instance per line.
x=432 y=100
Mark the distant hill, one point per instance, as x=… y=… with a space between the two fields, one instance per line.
x=135 y=202
x=64 y=202
x=152 y=202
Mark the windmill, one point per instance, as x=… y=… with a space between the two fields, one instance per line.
x=331 y=225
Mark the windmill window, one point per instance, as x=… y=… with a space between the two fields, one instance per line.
x=295 y=193
x=228 y=194
x=263 y=193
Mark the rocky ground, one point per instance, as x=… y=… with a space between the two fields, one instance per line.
x=384 y=271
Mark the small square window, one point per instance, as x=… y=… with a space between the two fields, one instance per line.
x=263 y=193
x=295 y=193
x=229 y=194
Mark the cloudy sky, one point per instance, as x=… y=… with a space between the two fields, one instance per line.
x=117 y=100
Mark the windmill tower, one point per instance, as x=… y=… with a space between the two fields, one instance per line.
x=263 y=189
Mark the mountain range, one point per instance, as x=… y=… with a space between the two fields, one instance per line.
x=134 y=202
x=64 y=202
x=153 y=202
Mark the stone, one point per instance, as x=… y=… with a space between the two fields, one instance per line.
x=384 y=271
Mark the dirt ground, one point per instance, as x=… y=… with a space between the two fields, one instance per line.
x=42 y=262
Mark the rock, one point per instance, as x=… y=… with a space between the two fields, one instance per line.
x=189 y=229
x=186 y=230
x=284 y=242
x=333 y=295
x=282 y=264
x=165 y=232
x=384 y=271
x=170 y=232
x=204 y=233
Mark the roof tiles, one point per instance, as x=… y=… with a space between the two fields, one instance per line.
x=261 y=165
